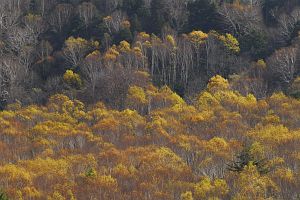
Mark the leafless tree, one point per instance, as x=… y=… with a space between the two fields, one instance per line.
x=18 y=37
x=35 y=26
x=287 y=24
x=112 y=5
x=44 y=50
x=26 y=57
x=178 y=13
x=93 y=68
x=106 y=41
x=54 y=85
x=252 y=2
x=87 y=11
x=147 y=3
x=218 y=59
x=13 y=74
x=283 y=64
x=114 y=22
x=61 y=16
x=249 y=85
x=45 y=5
x=258 y=87
x=10 y=12
x=4 y=90
x=241 y=19
x=185 y=60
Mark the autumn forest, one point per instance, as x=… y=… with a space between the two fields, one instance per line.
x=149 y=100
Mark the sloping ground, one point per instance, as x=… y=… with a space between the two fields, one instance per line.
x=159 y=148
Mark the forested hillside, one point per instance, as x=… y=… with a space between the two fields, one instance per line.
x=150 y=99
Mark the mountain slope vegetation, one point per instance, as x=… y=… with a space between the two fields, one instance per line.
x=149 y=99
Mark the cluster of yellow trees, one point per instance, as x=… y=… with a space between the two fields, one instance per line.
x=170 y=60
x=160 y=147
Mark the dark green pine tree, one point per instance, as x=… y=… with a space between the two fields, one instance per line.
x=244 y=158
x=89 y=173
x=3 y=196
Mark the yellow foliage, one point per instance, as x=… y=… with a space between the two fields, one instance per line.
x=71 y=195
x=203 y=116
x=94 y=55
x=261 y=64
x=137 y=51
x=107 y=124
x=107 y=182
x=217 y=144
x=107 y=18
x=169 y=96
x=230 y=42
x=203 y=188
x=124 y=46
x=56 y=196
x=66 y=150
x=251 y=185
x=52 y=128
x=143 y=36
x=14 y=106
x=187 y=196
x=271 y=119
x=171 y=40
x=197 y=37
x=168 y=154
x=123 y=171
x=15 y=176
x=126 y=24
x=147 y=44
x=217 y=83
x=285 y=175
x=257 y=150
x=73 y=43
x=271 y=135
x=207 y=189
x=111 y=54
x=206 y=101
x=48 y=168
x=72 y=78
x=31 y=192
x=136 y=95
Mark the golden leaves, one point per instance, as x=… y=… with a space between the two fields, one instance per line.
x=137 y=95
x=73 y=42
x=72 y=78
x=251 y=185
x=112 y=54
x=170 y=39
x=230 y=42
x=197 y=37
x=124 y=46
x=178 y=146
x=207 y=189
x=217 y=83
x=11 y=174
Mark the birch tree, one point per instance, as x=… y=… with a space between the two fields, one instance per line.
x=283 y=64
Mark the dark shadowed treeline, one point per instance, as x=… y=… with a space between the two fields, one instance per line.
x=181 y=43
